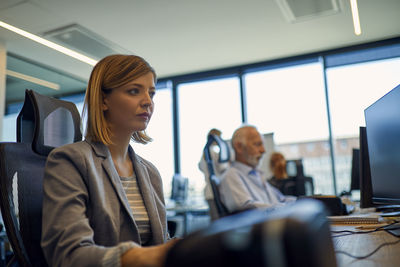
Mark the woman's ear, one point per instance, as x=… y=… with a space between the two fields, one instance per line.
x=105 y=102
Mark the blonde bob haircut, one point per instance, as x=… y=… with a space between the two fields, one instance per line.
x=109 y=73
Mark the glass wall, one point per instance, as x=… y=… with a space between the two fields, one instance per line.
x=22 y=74
x=290 y=102
x=203 y=106
x=352 y=88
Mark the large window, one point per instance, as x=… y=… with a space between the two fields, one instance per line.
x=202 y=106
x=161 y=150
x=352 y=88
x=290 y=102
x=285 y=101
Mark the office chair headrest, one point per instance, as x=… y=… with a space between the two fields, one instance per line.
x=47 y=122
x=224 y=153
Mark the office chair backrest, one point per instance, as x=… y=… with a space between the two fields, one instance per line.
x=22 y=165
x=46 y=122
x=224 y=156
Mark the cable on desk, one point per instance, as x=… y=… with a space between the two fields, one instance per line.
x=369 y=254
x=350 y=232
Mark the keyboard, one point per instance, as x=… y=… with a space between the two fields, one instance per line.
x=356 y=219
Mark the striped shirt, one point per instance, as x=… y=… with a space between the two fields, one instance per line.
x=138 y=208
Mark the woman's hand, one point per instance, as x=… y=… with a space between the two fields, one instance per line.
x=154 y=256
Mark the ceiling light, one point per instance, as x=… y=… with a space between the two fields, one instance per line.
x=356 y=18
x=34 y=80
x=47 y=43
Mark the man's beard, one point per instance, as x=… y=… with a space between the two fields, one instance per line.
x=253 y=161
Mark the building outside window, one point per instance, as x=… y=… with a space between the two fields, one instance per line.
x=290 y=102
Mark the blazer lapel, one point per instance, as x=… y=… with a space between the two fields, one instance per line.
x=143 y=179
x=108 y=166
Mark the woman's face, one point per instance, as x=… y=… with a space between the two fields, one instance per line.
x=280 y=163
x=129 y=108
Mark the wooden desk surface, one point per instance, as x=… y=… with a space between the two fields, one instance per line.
x=362 y=244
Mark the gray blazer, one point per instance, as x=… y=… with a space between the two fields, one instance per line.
x=85 y=210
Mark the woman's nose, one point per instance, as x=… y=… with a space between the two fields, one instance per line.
x=147 y=100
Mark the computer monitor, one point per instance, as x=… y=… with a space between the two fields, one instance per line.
x=383 y=136
x=365 y=172
x=297 y=184
x=355 y=170
x=294 y=235
x=179 y=188
x=294 y=167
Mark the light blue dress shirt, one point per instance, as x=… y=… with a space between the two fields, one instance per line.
x=243 y=188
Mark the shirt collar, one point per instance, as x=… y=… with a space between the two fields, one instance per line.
x=246 y=169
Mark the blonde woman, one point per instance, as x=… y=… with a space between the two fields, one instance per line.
x=103 y=204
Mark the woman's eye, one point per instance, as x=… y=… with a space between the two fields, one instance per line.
x=133 y=91
x=152 y=94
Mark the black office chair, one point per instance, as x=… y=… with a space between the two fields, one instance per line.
x=43 y=124
x=297 y=184
x=295 y=235
x=224 y=156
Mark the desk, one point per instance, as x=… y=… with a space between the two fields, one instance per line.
x=186 y=211
x=362 y=244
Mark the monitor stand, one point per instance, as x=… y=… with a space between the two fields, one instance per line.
x=388 y=208
x=391 y=214
x=393 y=229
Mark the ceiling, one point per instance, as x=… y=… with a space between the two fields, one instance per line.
x=185 y=36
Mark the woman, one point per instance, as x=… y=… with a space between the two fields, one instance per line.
x=103 y=205
x=277 y=164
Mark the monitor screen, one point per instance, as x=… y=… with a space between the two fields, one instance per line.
x=355 y=170
x=383 y=136
x=294 y=167
x=179 y=188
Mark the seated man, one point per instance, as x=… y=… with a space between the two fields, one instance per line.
x=243 y=186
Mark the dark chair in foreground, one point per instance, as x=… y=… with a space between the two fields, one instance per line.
x=297 y=184
x=224 y=156
x=296 y=235
x=43 y=124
